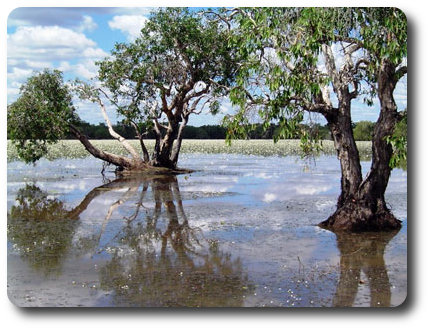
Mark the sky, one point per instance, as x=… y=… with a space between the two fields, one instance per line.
x=72 y=39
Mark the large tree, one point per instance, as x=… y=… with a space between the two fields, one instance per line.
x=317 y=60
x=172 y=70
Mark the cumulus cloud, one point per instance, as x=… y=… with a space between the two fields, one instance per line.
x=70 y=17
x=129 y=25
x=87 y=24
x=32 y=48
x=47 y=43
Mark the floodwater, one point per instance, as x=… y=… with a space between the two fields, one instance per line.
x=239 y=231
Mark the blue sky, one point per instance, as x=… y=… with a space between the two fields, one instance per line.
x=72 y=39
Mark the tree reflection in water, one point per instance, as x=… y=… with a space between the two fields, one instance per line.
x=156 y=258
x=173 y=266
x=40 y=229
x=363 y=252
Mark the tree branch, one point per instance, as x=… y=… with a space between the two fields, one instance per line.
x=401 y=72
x=115 y=135
x=142 y=144
x=331 y=66
x=100 y=154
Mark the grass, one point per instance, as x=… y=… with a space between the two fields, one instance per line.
x=74 y=149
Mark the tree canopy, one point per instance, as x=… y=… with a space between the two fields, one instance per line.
x=41 y=114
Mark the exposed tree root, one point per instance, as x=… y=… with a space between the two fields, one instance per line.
x=358 y=217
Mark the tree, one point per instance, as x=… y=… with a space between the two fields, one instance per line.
x=44 y=114
x=171 y=71
x=174 y=69
x=39 y=116
x=298 y=60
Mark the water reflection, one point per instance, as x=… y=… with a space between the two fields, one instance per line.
x=40 y=229
x=363 y=253
x=154 y=258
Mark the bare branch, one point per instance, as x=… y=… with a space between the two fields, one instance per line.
x=115 y=135
x=331 y=66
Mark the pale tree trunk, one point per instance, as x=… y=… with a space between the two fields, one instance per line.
x=340 y=124
x=116 y=136
x=142 y=144
x=178 y=142
x=166 y=150
x=162 y=152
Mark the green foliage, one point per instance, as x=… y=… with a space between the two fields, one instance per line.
x=384 y=34
x=363 y=130
x=399 y=143
x=40 y=116
x=176 y=49
x=280 y=77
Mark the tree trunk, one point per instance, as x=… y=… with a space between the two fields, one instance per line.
x=178 y=142
x=340 y=125
x=163 y=151
x=120 y=161
x=366 y=209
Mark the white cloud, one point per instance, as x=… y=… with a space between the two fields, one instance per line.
x=32 y=48
x=18 y=74
x=87 y=24
x=47 y=43
x=309 y=189
x=86 y=69
x=129 y=25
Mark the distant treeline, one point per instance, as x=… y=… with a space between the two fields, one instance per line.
x=101 y=132
x=362 y=131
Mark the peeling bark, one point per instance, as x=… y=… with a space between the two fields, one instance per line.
x=115 y=135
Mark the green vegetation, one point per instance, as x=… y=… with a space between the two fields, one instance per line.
x=179 y=64
x=100 y=132
x=363 y=130
x=38 y=118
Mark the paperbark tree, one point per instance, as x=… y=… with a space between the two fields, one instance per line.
x=298 y=60
x=170 y=72
x=173 y=70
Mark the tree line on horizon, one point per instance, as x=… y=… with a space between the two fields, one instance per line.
x=362 y=131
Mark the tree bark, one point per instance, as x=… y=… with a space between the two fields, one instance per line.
x=163 y=150
x=366 y=209
x=178 y=142
x=142 y=144
x=119 y=161
x=339 y=122
x=115 y=135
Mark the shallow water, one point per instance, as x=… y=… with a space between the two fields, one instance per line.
x=239 y=231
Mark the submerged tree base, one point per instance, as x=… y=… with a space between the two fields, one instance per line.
x=354 y=217
x=148 y=169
